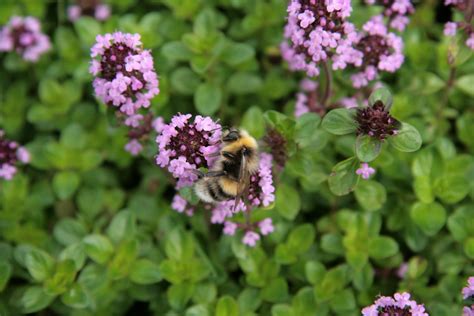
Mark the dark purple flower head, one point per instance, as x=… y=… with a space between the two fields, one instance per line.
x=125 y=75
x=141 y=128
x=185 y=145
x=376 y=121
x=399 y=305
x=317 y=31
x=23 y=35
x=396 y=11
x=93 y=8
x=10 y=154
x=276 y=143
x=380 y=50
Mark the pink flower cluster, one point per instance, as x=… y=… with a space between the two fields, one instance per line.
x=317 y=32
x=450 y=28
x=396 y=11
x=10 y=154
x=92 y=8
x=185 y=145
x=400 y=304
x=468 y=294
x=306 y=98
x=125 y=75
x=141 y=127
x=23 y=36
x=380 y=51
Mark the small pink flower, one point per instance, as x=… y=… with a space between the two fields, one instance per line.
x=365 y=171
x=250 y=238
x=266 y=226
x=470 y=41
x=134 y=147
x=23 y=155
x=179 y=204
x=74 y=13
x=450 y=29
x=229 y=228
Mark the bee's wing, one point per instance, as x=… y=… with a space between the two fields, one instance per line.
x=243 y=182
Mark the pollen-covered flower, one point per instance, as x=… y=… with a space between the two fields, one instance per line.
x=10 y=154
x=93 y=8
x=23 y=36
x=317 y=31
x=399 y=305
x=125 y=76
x=365 y=171
x=396 y=11
x=380 y=51
x=376 y=121
x=185 y=145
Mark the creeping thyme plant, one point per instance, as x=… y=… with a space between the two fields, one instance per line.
x=362 y=203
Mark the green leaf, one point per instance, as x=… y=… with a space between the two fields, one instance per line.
x=5 y=273
x=227 y=306
x=254 y=122
x=288 y=202
x=208 y=98
x=35 y=299
x=62 y=278
x=306 y=130
x=75 y=252
x=98 y=248
x=430 y=217
x=65 y=183
x=301 y=238
x=145 y=271
x=75 y=297
x=371 y=195
x=237 y=53
x=314 y=271
x=87 y=28
x=185 y=81
x=69 y=231
x=469 y=247
x=340 y=122
x=179 y=245
x=343 y=301
x=123 y=226
x=422 y=186
x=381 y=94
x=451 y=189
x=282 y=310
x=407 y=139
x=176 y=51
x=39 y=263
x=382 y=247
x=367 y=148
x=465 y=84
x=276 y=291
x=343 y=177
x=249 y=300
x=244 y=83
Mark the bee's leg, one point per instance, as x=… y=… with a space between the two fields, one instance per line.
x=212 y=174
x=198 y=173
x=228 y=155
x=217 y=154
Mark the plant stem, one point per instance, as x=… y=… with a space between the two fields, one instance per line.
x=327 y=91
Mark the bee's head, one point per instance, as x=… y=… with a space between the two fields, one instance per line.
x=231 y=135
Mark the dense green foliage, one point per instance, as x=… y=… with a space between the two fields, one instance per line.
x=87 y=229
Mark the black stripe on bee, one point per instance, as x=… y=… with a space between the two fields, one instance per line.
x=223 y=194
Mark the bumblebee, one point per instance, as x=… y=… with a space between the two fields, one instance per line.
x=229 y=177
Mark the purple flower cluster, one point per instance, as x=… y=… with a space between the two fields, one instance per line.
x=317 y=32
x=92 y=8
x=379 y=49
x=185 y=145
x=23 y=36
x=396 y=11
x=375 y=121
x=10 y=154
x=306 y=97
x=468 y=294
x=399 y=305
x=125 y=76
x=465 y=26
x=250 y=236
x=141 y=127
